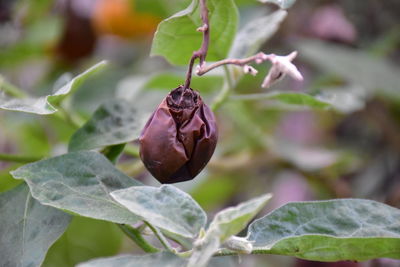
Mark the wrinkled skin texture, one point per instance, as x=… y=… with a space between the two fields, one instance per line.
x=179 y=138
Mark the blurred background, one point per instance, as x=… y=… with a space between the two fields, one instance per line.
x=348 y=54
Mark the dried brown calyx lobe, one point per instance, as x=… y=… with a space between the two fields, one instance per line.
x=179 y=138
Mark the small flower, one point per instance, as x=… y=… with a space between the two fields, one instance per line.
x=249 y=70
x=281 y=65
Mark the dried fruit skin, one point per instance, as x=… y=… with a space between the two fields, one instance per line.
x=179 y=138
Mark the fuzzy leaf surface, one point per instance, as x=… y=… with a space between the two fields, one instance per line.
x=27 y=228
x=333 y=230
x=165 y=207
x=79 y=182
x=114 y=122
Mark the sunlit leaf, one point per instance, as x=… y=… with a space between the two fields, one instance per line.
x=334 y=230
x=27 y=228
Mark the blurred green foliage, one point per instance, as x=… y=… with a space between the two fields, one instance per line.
x=84 y=239
x=334 y=135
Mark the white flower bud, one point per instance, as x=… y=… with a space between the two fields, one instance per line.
x=249 y=70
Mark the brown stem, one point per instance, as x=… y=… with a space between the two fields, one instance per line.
x=258 y=58
x=189 y=72
x=202 y=52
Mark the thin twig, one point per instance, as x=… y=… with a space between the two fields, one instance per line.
x=136 y=236
x=161 y=237
x=258 y=58
x=202 y=52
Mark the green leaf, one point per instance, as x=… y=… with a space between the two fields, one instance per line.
x=333 y=230
x=166 y=207
x=43 y=31
x=114 y=122
x=176 y=37
x=284 y=4
x=79 y=182
x=287 y=98
x=20 y=52
x=164 y=259
x=232 y=220
x=44 y=105
x=34 y=43
x=226 y=223
x=27 y=228
x=255 y=33
x=376 y=75
x=82 y=242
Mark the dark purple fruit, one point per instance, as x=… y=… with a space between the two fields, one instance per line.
x=179 y=138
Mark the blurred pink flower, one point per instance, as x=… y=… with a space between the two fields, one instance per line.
x=330 y=23
x=289 y=187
